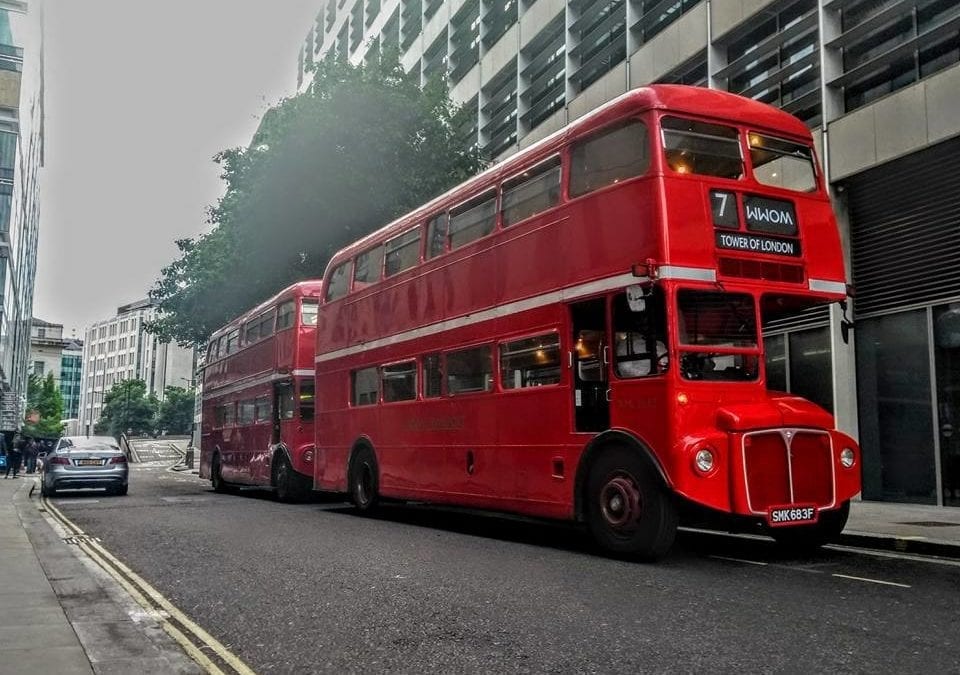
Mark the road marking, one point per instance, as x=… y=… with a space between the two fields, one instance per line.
x=872 y=581
x=152 y=601
x=934 y=560
x=739 y=560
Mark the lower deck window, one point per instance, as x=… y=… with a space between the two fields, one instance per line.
x=399 y=382
x=365 y=385
x=470 y=370
x=531 y=362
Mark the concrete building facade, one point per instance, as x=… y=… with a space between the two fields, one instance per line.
x=50 y=352
x=120 y=348
x=21 y=163
x=878 y=82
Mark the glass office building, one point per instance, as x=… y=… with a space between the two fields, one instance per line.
x=21 y=162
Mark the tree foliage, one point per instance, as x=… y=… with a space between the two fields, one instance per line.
x=175 y=415
x=127 y=409
x=362 y=146
x=45 y=401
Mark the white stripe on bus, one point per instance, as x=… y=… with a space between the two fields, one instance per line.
x=511 y=308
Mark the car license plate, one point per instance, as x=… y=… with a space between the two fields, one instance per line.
x=88 y=462
x=794 y=514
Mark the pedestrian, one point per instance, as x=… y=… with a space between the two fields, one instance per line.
x=30 y=451
x=14 y=456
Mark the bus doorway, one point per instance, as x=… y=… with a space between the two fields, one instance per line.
x=590 y=386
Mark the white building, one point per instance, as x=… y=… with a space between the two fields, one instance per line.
x=118 y=349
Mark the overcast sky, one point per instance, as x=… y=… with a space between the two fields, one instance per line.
x=139 y=97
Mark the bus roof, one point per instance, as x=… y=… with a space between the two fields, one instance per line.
x=684 y=99
x=300 y=289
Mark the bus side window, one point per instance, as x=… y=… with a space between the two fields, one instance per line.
x=432 y=376
x=306 y=400
x=640 y=337
x=285 y=406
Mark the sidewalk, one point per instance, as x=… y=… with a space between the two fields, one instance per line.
x=60 y=613
x=33 y=625
x=928 y=530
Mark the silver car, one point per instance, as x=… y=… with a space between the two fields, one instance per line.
x=85 y=462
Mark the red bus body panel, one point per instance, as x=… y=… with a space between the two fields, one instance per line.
x=517 y=449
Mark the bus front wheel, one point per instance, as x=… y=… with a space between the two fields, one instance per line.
x=629 y=512
x=216 y=476
x=364 y=479
x=289 y=484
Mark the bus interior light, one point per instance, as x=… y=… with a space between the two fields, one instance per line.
x=848 y=457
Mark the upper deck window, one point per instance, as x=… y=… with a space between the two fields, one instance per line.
x=266 y=321
x=367 y=269
x=308 y=312
x=285 y=315
x=531 y=192
x=473 y=220
x=402 y=252
x=782 y=163
x=233 y=341
x=437 y=235
x=609 y=158
x=339 y=282
x=702 y=148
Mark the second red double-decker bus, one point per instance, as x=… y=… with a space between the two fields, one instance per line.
x=576 y=332
x=257 y=405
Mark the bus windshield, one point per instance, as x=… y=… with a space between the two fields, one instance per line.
x=714 y=319
x=782 y=163
x=702 y=148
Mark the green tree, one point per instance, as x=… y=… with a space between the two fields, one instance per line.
x=45 y=404
x=127 y=409
x=362 y=146
x=176 y=410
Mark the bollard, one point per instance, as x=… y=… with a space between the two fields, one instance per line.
x=188 y=458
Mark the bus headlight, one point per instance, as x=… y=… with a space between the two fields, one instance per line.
x=848 y=457
x=703 y=460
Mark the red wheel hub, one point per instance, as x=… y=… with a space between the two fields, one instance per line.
x=620 y=502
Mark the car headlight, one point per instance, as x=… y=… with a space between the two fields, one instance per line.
x=848 y=457
x=704 y=460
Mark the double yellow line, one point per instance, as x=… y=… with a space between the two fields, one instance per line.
x=197 y=642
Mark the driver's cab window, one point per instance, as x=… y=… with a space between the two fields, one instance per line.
x=640 y=334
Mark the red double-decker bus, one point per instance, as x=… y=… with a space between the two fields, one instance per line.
x=575 y=333
x=257 y=414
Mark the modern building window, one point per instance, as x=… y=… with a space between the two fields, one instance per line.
x=598 y=39
x=542 y=75
x=499 y=110
x=653 y=16
x=895 y=403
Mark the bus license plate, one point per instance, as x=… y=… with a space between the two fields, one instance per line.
x=88 y=462
x=795 y=514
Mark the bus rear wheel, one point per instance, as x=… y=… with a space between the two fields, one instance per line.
x=364 y=479
x=808 y=538
x=628 y=511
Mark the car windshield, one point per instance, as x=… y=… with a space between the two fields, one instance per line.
x=87 y=443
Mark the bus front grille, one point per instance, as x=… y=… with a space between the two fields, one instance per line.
x=788 y=466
